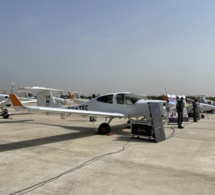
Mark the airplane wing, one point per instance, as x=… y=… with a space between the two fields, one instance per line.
x=17 y=105
x=29 y=101
x=37 y=88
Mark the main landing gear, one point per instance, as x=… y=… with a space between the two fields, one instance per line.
x=5 y=113
x=105 y=129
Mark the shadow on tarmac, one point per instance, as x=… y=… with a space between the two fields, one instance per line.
x=42 y=141
x=6 y=121
x=83 y=132
x=120 y=129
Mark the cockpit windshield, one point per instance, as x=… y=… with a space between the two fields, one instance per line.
x=128 y=99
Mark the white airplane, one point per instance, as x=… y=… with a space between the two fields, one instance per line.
x=113 y=105
x=45 y=97
x=3 y=96
x=203 y=99
x=77 y=98
x=203 y=107
x=4 y=102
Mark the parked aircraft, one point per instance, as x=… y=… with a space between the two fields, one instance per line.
x=45 y=97
x=41 y=94
x=203 y=107
x=76 y=97
x=3 y=96
x=113 y=105
x=5 y=102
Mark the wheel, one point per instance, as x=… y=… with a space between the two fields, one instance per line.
x=5 y=113
x=104 y=129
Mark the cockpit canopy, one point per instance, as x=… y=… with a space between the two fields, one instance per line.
x=121 y=98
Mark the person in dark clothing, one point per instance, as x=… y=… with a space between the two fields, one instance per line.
x=195 y=110
x=180 y=110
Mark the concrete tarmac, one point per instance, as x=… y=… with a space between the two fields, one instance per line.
x=43 y=154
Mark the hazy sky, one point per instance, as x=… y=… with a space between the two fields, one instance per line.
x=102 y=46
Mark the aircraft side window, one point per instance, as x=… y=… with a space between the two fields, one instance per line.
x=128 y=101
x=131 y=99
x=106 y=99
x=119 y=99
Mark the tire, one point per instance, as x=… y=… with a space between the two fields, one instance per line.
x=5 y=114
x=104 y=129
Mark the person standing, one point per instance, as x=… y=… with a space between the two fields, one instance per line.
x=195 y=110
x=180 y=111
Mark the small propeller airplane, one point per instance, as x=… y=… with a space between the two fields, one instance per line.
x=4 y=102
x=203 y=107
x=113 y=105
x=45 y=97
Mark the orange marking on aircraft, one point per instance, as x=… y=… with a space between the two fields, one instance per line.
x=15 y=101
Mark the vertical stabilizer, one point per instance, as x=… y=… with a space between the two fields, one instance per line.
x=71 y=96
x=45 y=99
x=17 y=105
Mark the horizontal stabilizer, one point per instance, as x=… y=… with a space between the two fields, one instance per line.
x=37 y=88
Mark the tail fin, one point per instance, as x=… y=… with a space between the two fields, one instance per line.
x=17 y=105
x=45 y=99
x=165 y=98
x=71 y=96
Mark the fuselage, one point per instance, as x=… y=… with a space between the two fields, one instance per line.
x=202 y=107
x=125 y=103
x=4 y=97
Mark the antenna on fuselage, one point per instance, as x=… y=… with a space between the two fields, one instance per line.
x=12 y=87
x=165 y=89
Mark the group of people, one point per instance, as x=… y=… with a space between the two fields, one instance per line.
x=180 y=109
